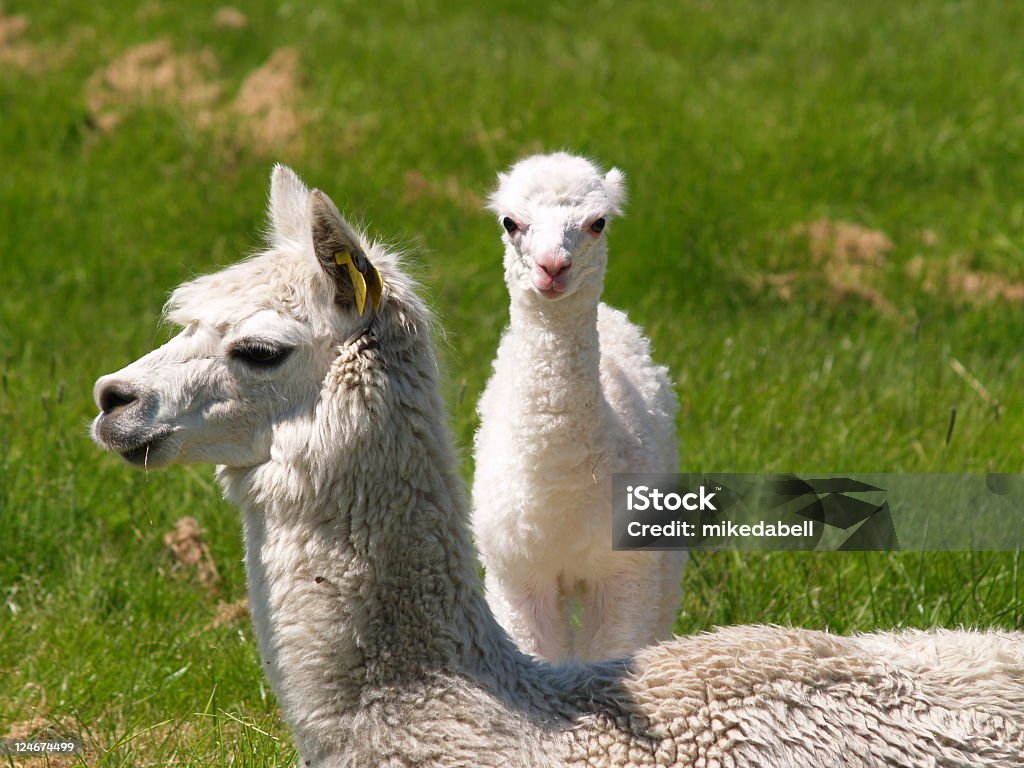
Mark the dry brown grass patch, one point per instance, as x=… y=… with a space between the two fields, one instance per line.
x=852 y=261
x=963 y=284
x=153 y=74
x=14 y=51
x=267 y=102
x=417 y=187
x=264 y=114
x=227 y=17
x=11 y=28
x=843 y=242
x=187 y=545
x=38 y=728
x=848 y=258
x=782 y=283
x=851 y=257
x=229 y=613
x=17 y=53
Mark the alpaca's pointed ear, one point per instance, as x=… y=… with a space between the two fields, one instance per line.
x=615 y=187
x=289 y=205
x=494 y=199
x=339 y=249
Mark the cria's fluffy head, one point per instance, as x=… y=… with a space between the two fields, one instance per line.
x=558 y=180
x=553 y=210
x=261 y=342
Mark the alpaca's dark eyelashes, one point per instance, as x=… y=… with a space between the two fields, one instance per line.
x=509 y=225
x=259 y=354
x=597 y=226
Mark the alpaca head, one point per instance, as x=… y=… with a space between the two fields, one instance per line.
x=258 y=343
x=554 y=210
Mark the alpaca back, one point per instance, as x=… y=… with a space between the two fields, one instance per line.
x=639 y=395
x=755 y=696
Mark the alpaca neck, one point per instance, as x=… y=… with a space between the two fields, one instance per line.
x=361 y=573
x=567 y=387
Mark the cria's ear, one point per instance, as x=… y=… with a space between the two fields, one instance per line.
x=357 y=283
x=493 y=200
x=615 y=188
x=289 y=205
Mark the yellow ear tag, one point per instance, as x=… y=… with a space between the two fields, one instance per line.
x=376 y=287
x=344 y=258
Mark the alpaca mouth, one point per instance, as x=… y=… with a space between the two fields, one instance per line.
x=551 y=293
x=551 y=286
x=140 y=450
x=141 y=454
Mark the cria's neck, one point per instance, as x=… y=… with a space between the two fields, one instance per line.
x=573 y=318
x=556 y=360
x=564 y=330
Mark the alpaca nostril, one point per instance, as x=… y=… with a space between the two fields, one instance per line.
x=116 y=395
x=554 y=268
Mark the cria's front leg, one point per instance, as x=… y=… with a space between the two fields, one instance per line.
x=670 y=567
x=621 y=612
x=534 y=614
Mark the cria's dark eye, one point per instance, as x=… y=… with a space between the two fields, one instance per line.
x=509 y=225
x=259 y=354
x=597 y=226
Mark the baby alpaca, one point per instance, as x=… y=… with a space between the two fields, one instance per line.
x=574 y=398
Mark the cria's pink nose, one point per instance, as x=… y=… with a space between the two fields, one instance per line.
x=554 y=263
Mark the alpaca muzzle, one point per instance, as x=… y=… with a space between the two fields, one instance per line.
x=124 y=423
x=551 y=273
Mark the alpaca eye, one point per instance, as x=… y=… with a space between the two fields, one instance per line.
x=597 y=226
x=509 y=225
x=259 y=354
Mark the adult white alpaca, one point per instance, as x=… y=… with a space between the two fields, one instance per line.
x=574 y=398
x=308 y=374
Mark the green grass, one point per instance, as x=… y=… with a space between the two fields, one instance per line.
x=735 y=122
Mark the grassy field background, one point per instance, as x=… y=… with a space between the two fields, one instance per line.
x=824 y=234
